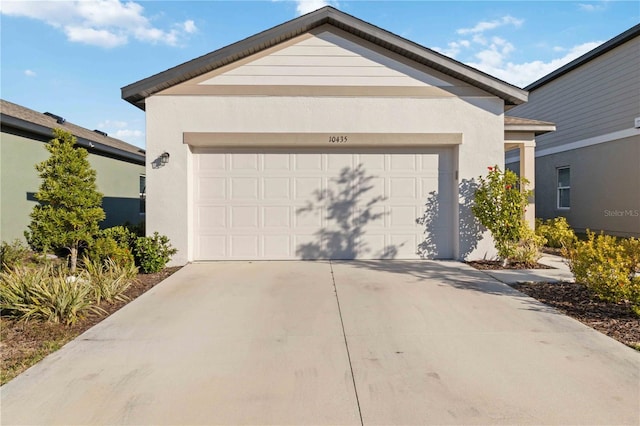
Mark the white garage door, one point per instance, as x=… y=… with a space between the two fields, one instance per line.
x=321 y=205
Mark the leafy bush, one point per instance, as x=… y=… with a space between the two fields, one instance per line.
x=46 y=294
x=499 y=204
x=557 y=232
x=12 y=254
x=109 y=280
x=106 y=249
x=121 y=234
x=152 y=253
x=527 y=250
x=608 y=266
x=136 y=229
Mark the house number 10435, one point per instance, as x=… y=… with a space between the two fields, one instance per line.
x=337 y=139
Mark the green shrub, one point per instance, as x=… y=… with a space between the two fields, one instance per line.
x=557 y=232
x=45 y=293
x=152 y=253
x=499 y=205
x=137 y=229
x=608 y=266
x=106 y=248
x=527 y=250
x=108 y=279
x=12 y=254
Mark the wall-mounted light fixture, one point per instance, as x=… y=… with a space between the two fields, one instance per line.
x=164 y=158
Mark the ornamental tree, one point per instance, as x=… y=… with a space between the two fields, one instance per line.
x=69 y=208
x=500 y=203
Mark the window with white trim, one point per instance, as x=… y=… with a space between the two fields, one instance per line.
x=564 y=187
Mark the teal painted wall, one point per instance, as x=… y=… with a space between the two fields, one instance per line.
x=117 y=180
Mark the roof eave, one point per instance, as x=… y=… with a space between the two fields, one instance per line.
x=537 y=129
x=136 y=93
x=45 y=131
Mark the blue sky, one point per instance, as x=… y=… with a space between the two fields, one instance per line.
x=72 y=57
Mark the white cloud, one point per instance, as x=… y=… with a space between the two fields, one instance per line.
x=30 y=73
x=127 y=134
x=109 y=124
x=306 y=6
x=104 y=23
x=493 y=61
x=593 y=7
x=189 y=26
x=483 y=26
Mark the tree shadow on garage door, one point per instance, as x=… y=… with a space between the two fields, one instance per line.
x=436 y=220
x=347 y=212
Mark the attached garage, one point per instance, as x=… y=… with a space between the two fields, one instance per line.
x=318 y=204
x=322 y=138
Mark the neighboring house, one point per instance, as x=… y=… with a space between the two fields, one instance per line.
x=323 y=137
x=589 y=169
x=119 y=166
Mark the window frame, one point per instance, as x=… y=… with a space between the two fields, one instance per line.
x=142 y=209
x=560 y=189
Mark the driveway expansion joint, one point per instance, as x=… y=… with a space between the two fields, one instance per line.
x=346 y=343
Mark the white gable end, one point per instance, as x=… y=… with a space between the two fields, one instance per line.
x=326 y=59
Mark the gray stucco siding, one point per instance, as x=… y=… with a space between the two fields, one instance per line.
x=117 y=180
x=599 y=98
x=604 y=187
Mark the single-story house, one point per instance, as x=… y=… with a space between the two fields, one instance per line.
x=589 y=169
x=120 y=168
x=325 y=137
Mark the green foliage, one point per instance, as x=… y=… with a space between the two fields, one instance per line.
x=109 y=280
x=608 y=266
x=106 y=249
x=152 y=253
x=557 y=232
x=121 y=234
x=527 y=250
x=138 y=229
x=499 y=204
x=69 y=208
x=45 y=293
x=12 y=254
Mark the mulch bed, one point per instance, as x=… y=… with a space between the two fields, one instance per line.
x=23 y=344
x=616 y=320
x=495 y=264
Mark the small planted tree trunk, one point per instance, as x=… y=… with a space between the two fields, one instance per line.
x=74 y=259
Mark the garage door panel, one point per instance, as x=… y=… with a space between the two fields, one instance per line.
x=211 y=188
x=403 y=188
x=276 y=188
x=403 y=162
x=244 y=188
x=307 y=189
x=244 y=217
x=307 y=217
x=311 y=162
x=215 y=247
x=211 y=217
x=244 y=246
x=244 y=162
x=278 y=246
x=276 y=162
x=341 y=205
x=339 y=162
x=276 y=217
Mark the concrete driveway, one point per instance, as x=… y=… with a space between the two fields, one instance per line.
x=335 y=343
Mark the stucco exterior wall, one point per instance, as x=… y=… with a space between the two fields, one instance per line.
x=605 y=182
x=117 y=180
x=169 y=188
